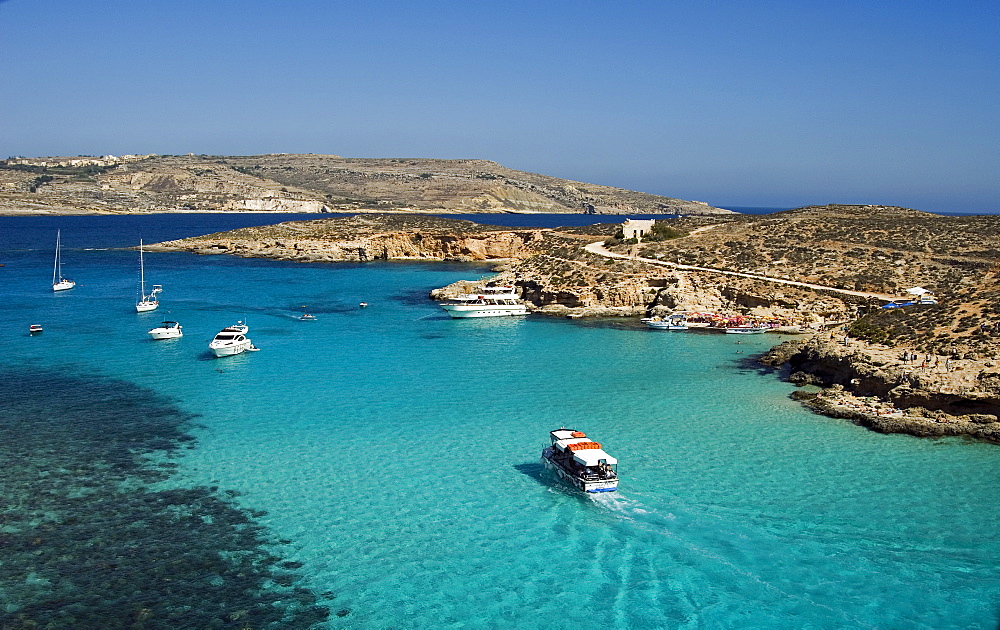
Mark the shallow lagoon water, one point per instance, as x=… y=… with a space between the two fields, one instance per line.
x=397 y=450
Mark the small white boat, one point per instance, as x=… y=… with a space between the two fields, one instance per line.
x=580 y=461
x=58 y=282
x=231 y=340
x=363 y=305
x=166 y=330
x=34 y=329
x=488 y=302
x=146 y=302
x=746 y=330
x=672 y=322
x=306 y=317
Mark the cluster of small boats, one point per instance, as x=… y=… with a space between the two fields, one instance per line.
x=681 y=321
x=146 y=302
x=227 y=342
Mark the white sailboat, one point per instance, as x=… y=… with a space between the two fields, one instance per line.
x=146 y=302
x=58 y=282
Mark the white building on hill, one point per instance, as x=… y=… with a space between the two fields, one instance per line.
x=638 y=228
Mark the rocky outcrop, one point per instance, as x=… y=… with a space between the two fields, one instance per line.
x=359 y=239
x=276 y=205
x=938 y=395
x=915 y=421
x=394 y=246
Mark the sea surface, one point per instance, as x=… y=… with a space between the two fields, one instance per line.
x=379 y=467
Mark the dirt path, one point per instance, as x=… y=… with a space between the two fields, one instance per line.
x=599 y=249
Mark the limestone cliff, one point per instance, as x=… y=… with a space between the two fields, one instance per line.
x=359 y=239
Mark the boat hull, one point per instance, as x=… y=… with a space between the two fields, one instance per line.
x=230 y=350
x=746 y=331
x=156 y=334
x=602 y=485
x=143 y=307
x=62 y=285
x=665 y=326
x=462 y=311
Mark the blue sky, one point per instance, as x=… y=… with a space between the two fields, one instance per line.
x=762 y=103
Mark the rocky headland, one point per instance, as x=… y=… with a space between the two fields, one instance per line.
x=305 y=183
x=927 y=369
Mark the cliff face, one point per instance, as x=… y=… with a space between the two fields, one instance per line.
x=411 y=245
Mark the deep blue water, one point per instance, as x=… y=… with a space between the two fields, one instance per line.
x=389 y=456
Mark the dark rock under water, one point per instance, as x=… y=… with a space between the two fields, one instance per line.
x=85 y=542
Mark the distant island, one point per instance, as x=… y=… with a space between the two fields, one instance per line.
x=925 y=369
x=281 y=182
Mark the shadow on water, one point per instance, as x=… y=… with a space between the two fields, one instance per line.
x=88 y=543
x=536 y=471
x=413 y=297
x=751 y=363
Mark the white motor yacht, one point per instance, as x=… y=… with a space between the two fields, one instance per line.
x=231 y=340
x=166 y=330
x=488 y=302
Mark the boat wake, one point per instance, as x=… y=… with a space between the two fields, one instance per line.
x=630 y=509
x=678 y=526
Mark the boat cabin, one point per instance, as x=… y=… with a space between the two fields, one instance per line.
x=574 y=451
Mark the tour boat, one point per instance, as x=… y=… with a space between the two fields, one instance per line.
x=747 y=330
x=146 y=302
x=231 y=340
x=58 y=282
x=580 y=461
x=166 y=330
x=488 y=302
x=34 y=329
x=672 y=322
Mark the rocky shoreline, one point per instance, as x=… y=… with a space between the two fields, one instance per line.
x=894 y=390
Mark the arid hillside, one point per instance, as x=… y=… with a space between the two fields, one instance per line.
x=867 y=248
x=306 y=183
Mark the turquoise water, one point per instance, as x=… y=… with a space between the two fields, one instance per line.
x=397 y=451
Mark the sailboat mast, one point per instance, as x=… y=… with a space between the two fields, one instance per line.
x=55 y=265
x=142 y=273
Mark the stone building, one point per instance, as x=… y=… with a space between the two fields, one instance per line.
x=638 y=228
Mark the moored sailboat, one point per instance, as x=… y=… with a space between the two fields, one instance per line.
x=146 y=302
x=58 y=282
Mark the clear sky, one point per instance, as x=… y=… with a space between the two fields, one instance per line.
x=737 y=103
